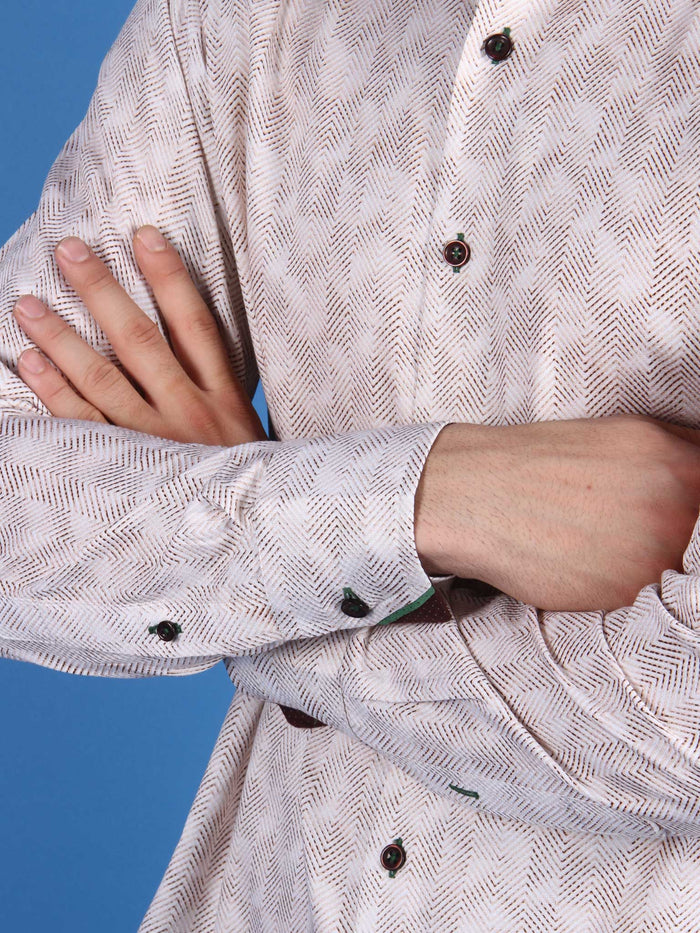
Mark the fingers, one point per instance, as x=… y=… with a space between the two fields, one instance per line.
x=200 y=378
x=192 y=328
x=53 y=390
x=99 y=381
x=139 y=345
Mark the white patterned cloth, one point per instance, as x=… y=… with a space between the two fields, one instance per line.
x=310 y=159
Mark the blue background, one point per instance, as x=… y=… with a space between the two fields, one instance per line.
x=96 y=775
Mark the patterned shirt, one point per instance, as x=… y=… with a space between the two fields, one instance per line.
x=404 y=214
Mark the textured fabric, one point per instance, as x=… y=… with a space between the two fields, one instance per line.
x=310 y=160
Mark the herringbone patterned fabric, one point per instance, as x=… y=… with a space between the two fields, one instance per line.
x=309 y=159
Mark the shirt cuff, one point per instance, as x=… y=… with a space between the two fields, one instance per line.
x=334 y=523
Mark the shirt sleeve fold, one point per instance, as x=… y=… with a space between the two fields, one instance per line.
x=583 y=721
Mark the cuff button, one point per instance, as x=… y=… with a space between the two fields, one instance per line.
x=352 y=605
x=165 y=630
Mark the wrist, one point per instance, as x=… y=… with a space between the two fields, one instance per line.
x=454 y=520
x=434 y=527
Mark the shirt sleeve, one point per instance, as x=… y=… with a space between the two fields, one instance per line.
x=583 y=721
x=122 y=554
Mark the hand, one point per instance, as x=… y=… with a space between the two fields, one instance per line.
x=563 y=515
x=190 y=395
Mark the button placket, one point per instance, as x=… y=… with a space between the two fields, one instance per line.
x=480 y=98
x=498 y=47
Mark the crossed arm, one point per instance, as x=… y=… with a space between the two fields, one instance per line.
x=595 y=728
x=569 y=515
x=571 y=698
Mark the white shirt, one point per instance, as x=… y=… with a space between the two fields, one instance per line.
x=310 y=160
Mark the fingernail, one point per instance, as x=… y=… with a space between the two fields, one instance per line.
x=30 y=307
x=152 y=239
x=31 y=360
x=73 y=249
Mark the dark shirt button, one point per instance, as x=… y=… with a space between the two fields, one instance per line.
x=352 y=605
x=456 y=252
x=166 y=631
x=393 y=856
x=498 y=46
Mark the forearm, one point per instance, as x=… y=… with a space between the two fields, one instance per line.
x=222 y=541
x=571 y=515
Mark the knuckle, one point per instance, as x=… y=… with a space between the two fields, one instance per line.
x=97 y=280
x=142 y=332
x=203 y=422
x=173 y=270
x=57 y=330
x=59 y=333
x=201 y=325
x=131 y=413
x=101 y=376
x=62 y=402
x=57 y=392
x=66 y=339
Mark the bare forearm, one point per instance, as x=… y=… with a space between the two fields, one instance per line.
x=569 y=515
